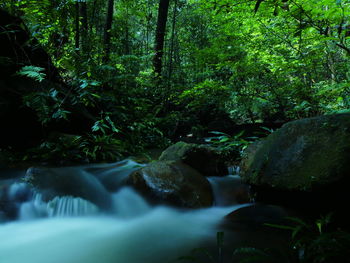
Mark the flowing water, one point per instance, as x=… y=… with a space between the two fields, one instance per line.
x=229 y=190
x=66 y=229
x=160 y=235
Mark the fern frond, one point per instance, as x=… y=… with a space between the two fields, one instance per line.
x=32 y=72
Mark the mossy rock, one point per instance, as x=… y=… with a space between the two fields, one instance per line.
x=302 y=155
x=174 y=183
x=205 y=159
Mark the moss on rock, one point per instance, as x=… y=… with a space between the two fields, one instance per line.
x=205 y=159
x=303 y=154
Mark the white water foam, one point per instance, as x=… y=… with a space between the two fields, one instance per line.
x=134 y=233
x=159 y=236
x=128 y=204
x=60 y=206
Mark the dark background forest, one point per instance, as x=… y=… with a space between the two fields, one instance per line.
x=98 y=80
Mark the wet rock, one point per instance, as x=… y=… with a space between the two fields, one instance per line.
x=12 y=194
x=203 y=158
x=257 y=216
x=247 y=227
x=174 y=183
x=302 y=154
x=303 y=164
x=72 y=181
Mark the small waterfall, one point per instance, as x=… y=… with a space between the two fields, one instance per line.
x=63 y=206
x=129 y=204
x=113 y=175
x=33 y=209
x=229 y=190
x=67 y=206
x=233 y=170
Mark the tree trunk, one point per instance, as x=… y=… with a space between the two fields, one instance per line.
x=93 y=15
x=170 y=68
x=160 y=35
x=107 y=33
x=77 y=26
x=127 y=49
x=84 y=26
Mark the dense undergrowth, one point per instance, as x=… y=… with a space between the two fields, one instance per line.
x=223 y=63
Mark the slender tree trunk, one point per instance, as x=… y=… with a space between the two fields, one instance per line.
x=160 y=35
x=149 y=19
x=330 y=63
x=170 y=68
x=148 y=30
x=93 y=15
x=84 y=26
x=127 y=41
x=77 y=26
x=107 y=32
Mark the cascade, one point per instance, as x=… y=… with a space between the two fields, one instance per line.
x=127 y=204
x=66 y=206
x=60 y=206
x=74 y=230
x=160 y=235
x=113 y=175
x=233 y=170
x=229 y=190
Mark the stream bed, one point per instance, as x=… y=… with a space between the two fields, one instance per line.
x=108 y=222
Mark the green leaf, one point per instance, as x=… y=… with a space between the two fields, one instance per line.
x=111 y=123
x=218 y=133
x=32 y=72
x=225 y=139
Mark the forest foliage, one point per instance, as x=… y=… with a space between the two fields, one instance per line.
x=257 y=61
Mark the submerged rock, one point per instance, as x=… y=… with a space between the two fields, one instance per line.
x=72 y=181
x=205 y=159
x=305 y=163
x=172 y=182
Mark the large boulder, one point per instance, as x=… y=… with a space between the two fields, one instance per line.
x=205 y=159
x=304 y=163
x=174 y=183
